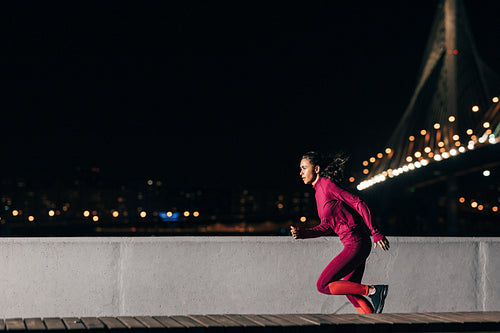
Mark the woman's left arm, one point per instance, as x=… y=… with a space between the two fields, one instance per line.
x=362 y=208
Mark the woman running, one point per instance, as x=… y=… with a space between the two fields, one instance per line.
x=349 y=217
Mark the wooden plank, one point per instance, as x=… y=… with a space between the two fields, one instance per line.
x=73 y=324
x=54 y=324
x=302 y=324
x=15 y=324
x=266 y=325
x=93 y=324
x=189 y=324
x=153 y=325
x=227 y=323
x=490 y=316
x=211 y=325
x=113 y=325
x=133 y=324
x=35 y=325
x=247 y=325
x=170 y=324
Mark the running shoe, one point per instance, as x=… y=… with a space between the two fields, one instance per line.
x=378 y=298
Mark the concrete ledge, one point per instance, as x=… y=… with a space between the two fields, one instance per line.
x=64 y=277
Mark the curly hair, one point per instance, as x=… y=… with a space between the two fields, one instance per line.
x=331 y=165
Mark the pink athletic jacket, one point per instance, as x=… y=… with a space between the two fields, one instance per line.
x=341 y=212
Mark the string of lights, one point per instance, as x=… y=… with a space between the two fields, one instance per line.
x=433 y=145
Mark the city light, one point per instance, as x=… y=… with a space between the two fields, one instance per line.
x=15 y=212
x=51 y=213
x=186 y=213
x=486 y=124
x=95 y=218
x=475 y=108
x=437 y=126
x=143 y=214
x=303 y=219
x=486 y=173
x=86 y=213
x=31 y=218
x=196 y=214
x=494 y=99
x=451 y=119
x=115 y=213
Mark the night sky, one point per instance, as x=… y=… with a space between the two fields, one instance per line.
x=229 y=94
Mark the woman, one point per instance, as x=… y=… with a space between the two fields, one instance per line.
x=349 y=217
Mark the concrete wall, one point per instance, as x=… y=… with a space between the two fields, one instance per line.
x=43 y=277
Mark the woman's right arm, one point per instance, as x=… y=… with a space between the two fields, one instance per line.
x=321 y=229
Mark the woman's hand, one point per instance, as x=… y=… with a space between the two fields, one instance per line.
x=383 y=243
x=294 y=232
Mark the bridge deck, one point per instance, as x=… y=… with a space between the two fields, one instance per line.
x=392 y=322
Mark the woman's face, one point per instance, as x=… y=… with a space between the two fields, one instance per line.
x=308 y=172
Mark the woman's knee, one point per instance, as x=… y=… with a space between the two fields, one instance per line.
x=322 y=287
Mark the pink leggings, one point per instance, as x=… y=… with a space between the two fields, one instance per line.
x=349 y=265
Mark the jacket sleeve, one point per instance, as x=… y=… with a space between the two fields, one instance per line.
x=321 y=229
x=362 y=208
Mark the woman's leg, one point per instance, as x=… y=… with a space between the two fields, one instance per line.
x=344 y=264
x=350 y=265
x=362 y=305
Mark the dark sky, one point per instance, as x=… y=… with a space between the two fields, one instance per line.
x=208 y=94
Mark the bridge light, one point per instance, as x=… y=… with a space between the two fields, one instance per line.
x=441 y=144
x=365 y=163
x=451 y=119
x=31 y=218
x=480 y=207
x=437 y=157
x=196 y=214
x=115 y=213
x=495 y=209
x=352 y=179
x=427 y=150
x=492 y=139
x=461 y=149
x=143 y=214
x=411 y=138
x=473 y=204
x=486 y=173
x=372 y=159
x=486 y=124
x=388 y=151
x=423 y=132
x=424 y=162
x=470 y=132
x=453 y=152
x=86 y=213
x=475 y=108
x=409 y=159
x=437 y=126
x=445 y=155
x=95 y=218
x=52 y=213
x=366 y=171
x=461 y=200
x=418 y=165
x=411 y=166
x=495 y=99
x=186 y=213
x=380 y=155
x=418 y=154
x=457 y=144
x=456 y=137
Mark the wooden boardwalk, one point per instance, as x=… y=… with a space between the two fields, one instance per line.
x=392 y=322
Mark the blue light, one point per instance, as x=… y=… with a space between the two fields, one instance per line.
x=165 y=218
